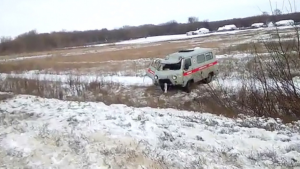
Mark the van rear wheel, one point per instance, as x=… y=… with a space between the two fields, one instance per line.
x=209 y=78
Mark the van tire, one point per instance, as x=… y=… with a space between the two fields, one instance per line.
x=209 y=78
x=188 y=87
x=162 y=87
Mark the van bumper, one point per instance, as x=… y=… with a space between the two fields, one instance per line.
x=161 y=82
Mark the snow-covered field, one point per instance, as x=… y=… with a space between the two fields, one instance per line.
x=42 y=133
x=184 y=36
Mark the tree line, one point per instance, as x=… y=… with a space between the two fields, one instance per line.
x=32 y=41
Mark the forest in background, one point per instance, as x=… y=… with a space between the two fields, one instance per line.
x=34 y=42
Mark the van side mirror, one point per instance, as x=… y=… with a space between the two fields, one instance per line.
x=186 y=66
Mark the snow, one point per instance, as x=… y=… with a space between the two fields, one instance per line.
x=227 y=27
x=271 y=24
x=156 y=39
x=236 y=56
x=257 y=25
x=199 y=31
x=153 y=39
x=99 y=45
x=47 y=132
x=203 y=30
x=285 y=22
x=170 y=37
x=113 y=61
x=225 y=30
x=123 y=80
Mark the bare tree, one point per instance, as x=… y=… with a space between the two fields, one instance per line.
x=5 y=39
x=192 y=19
x=206 y=24
x=277 y=12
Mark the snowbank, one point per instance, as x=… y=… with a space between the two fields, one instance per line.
x=197 y=32
x=271 y=24
x=48 y=132
x=285 y=23
x=227 y=28
x=203 y=31
x=257 y=25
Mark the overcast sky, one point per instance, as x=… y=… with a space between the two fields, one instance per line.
x=19 y=16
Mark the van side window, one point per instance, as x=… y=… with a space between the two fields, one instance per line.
x=209 y=56
x=200 y=58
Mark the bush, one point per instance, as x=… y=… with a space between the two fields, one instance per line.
x=269 y=90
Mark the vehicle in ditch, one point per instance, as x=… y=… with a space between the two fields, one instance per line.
x=184 y=68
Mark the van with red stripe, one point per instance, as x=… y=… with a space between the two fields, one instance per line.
x=183 y=68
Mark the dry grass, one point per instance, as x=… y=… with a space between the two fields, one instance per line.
x=4 y=96
x=95 y=56
x=254 y=47
x=56 y=51
x=90 y=59
x=111 y=93
x=243 y=48
x=219 y=101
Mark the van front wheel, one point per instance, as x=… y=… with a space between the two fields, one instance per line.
x=188 y=87
x=162 y=87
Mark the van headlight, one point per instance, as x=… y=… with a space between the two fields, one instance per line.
x=156 y=77
x=174 y=77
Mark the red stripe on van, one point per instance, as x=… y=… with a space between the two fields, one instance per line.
x=199 y=68
x=151 y=71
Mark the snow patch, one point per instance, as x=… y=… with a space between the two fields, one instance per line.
x=25 y=57
x=123 y=80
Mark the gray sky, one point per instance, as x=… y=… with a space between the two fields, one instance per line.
x=19 y=16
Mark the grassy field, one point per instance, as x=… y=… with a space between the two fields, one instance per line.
x=235 y=53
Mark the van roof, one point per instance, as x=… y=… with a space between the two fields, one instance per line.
x=190 y=52
x=175 y=57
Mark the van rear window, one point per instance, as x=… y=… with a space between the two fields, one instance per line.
x=209 y=56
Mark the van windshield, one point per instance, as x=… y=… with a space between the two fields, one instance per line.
x=156 y=64
x=173 y=66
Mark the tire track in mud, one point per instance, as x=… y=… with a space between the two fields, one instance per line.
x=157 y=91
